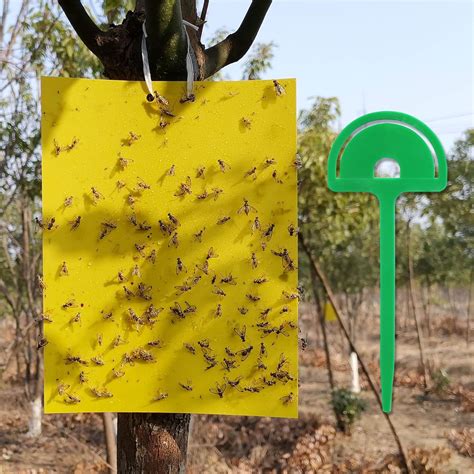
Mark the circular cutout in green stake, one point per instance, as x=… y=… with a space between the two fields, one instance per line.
x=352 y=165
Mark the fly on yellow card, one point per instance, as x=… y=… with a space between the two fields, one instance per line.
x=170 y=247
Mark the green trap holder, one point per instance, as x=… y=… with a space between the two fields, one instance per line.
x=352 y=164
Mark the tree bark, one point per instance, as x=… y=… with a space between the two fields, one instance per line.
x=110 y=441
x=152 y=443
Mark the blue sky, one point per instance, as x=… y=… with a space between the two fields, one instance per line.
x=416 y=57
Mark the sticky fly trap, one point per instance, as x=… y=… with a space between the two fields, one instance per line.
x=170 y=247
x=418 y=156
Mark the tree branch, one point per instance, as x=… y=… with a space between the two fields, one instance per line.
x=236 y=44
x=87 y=30
x=166 y=40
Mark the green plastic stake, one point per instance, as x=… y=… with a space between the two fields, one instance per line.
x=352 y=163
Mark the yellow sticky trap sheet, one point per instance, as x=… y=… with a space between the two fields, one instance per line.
x=170 y=247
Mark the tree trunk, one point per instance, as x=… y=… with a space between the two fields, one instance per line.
x=110 y=441
x=468 y=322
x=411 y=287
x=354 y=361
x=152 y=443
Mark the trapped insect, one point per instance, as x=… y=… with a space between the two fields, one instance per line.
x=204 y=267
x=97 y=360
x=41 y=283
x=292 y=230
x=83 y=377
x=160 y=396
x=256 y=224
x=123 y=162
x=229 y=279
x=96 y=195
x=269 y=162
x=117 y=340
x=219 y=291
x=136 y=271
x=233 y=383
x=42 y=342
x=276 y=178
x=211 y=254
x=279 y=89
x=247 y=208
x=156 y=343
x=186 y=386
x=190 y=348
x=134 y=318
x=229 y=364
x=174 y=241
x=246 y=122
x=75 y=223
x=128 y=293
x=223 y=166
x=218 y=311
x=198 y=235
x=223 y=220
x=253 y=298
x=251 y=172
x=165 y=228
x=219 y=390
x=69 y=304
x=132 y=138
x=152 y=256
x=68 y=201
x=140 y=249
x=202 y=196
x=216 y=192
x=211 y=361
x=177 y=310
x=70 y=359
x=260 y=280
x=64 y=270
x=268 y=232
x=244 y=353
x=173 y=220
x=254 y=260
x=184 y=188
x=200 y=172
x=101 y=392
x=180 y=267
x=72 y=399
x=290 y=296
x=107 y=227
x=241 y=332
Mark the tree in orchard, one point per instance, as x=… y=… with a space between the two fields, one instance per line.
x=158 y=442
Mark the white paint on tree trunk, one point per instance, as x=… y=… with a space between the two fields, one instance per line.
x=355 y=373
x=36 y=416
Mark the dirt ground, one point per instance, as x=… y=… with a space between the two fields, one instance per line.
x=426 y=423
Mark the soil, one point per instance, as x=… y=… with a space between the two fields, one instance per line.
x=424 y=421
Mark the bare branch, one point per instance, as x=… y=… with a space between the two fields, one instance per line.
x=236 y=44
x=203 y=17
x=87 y=30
